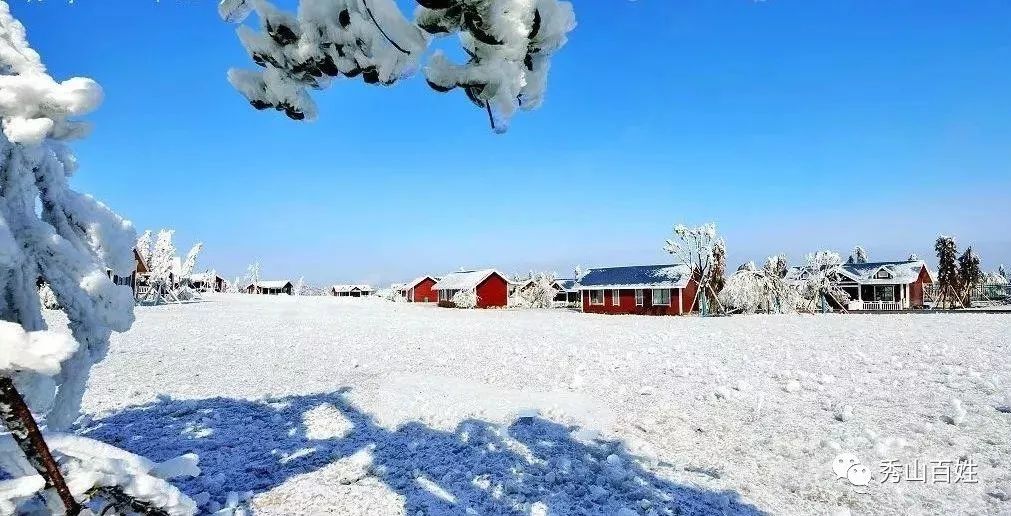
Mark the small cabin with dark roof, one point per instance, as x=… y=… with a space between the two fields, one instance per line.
x=272 y=288
x=638 y=289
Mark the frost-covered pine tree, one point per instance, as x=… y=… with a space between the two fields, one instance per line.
x=300 y=286
x=970 y=274
x=859 y=255
x=70 y=241
x=578 y=273
x=947 y=269
x=1002 y=272
x=913 y=257
x=508 y=44
x=703 y=251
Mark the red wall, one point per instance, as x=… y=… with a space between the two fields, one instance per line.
x=424 y=290
x=916 y=288
x=626 y=302
x=492 y=292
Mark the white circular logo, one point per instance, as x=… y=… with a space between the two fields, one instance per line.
x=842 y=464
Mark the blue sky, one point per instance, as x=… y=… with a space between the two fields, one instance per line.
x=795 y=125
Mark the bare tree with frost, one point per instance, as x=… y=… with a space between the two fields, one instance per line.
x=540 y=293
x=703 y=251
x=70 y=241
x=751 y=289
x=819 y=288
x=509 y=44
x=190 y=263
x=253 y=274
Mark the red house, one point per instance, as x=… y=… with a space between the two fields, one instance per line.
x=420 y=290
x=638 y=289
x=491 y=287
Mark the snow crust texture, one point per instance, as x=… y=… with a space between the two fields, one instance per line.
x=321 y=405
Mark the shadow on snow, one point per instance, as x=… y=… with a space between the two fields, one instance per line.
x=488 y=468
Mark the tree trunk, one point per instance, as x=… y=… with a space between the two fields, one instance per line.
x=19 y=420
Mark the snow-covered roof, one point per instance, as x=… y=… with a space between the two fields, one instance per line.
x=636 y=276
x=142 y=268
x=899 y=272
x=905 y=271
x=272 y=284
x=567 y=285
x=352 y=288
x=464 y=280
x=414 y=283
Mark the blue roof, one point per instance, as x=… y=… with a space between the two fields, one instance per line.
x=636 y=276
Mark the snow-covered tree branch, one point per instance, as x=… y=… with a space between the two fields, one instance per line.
x=751 y=289
x=540 y=293
x=819 y=287
x=703 y=251
x=73 y=243
x=509 y=44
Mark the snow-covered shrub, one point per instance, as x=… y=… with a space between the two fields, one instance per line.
x=465 y=299
x=71 y=241
x=745 y=290
x=751 y=290
x=819 y=288
x=539 y=293
x=509 y=45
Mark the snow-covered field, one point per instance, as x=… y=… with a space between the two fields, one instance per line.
x=319 y=405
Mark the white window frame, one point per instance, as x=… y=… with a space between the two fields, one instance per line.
x=640 y=297
x=616 y=297
x=878 y=275
x=601 y=301
x=653 y=296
